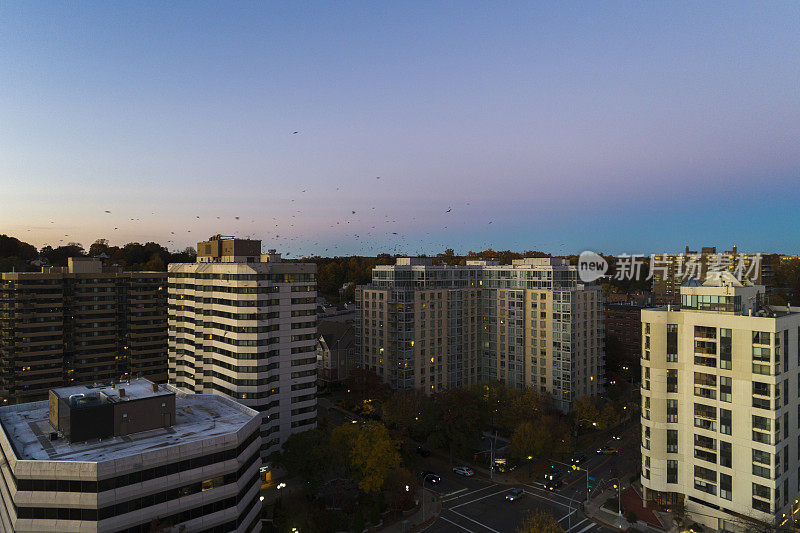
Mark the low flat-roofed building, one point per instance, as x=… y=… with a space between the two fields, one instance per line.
x=154 y=458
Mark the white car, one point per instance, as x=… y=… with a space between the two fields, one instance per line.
x=463 y=471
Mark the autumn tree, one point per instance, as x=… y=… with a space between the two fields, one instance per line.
x=539 y=522
x=369 y=451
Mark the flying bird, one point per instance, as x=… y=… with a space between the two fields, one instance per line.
x=107 y=211
x=449 y=210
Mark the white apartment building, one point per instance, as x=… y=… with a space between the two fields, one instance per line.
x=243 y=324
x=528 y=324
x=720 y=419
x=129 y=457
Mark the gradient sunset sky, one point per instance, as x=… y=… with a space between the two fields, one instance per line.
x=624 y=127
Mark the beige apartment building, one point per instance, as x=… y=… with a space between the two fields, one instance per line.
x=529 y=324
x=720 y=421
x=78 y=324
x=243 y=324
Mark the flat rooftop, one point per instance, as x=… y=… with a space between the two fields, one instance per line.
x=198 y=417
x=135 y=389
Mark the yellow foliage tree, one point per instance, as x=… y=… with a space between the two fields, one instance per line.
x=540 y=522
x=370 y=452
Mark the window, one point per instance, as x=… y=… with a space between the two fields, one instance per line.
x=672 y=471
x=672 y=441
x=702 y=383
x=725 y=421
x=761 y=389
x=672 y=380
x=672 y=343
x=725 y=454
x=705 y=473
x=672 y=411
x=761 y=337
x=725 y=486
x=761 y=422
x=762 y=506
x=761 y=458
x=725 y=389
x=761 y=491
x=725 y=349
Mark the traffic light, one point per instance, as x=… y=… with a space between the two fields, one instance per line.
x=615 y=485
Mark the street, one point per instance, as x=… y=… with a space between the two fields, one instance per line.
x=478 y=505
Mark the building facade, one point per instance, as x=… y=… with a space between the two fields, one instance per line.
x=720 y=421
x=623 y=327
x=129 y=457
x=79 y=324
x=529 y=324
x=672 y=270
x=243 y=324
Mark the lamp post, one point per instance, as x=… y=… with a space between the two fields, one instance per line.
x=618 y=486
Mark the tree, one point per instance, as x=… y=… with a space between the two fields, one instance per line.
x=15 y=254
x=526 y=441
x=586 y=408
x=459 y=421
x=363 y=385
x=400 y=490
x=540 y=522
x=369 y=451
x=410 y=411
x=308 y=455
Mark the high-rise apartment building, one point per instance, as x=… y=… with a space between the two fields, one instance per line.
x=672 y=270
x=418 y=325
x=78 y=324
x=720 y=419
x=129 y=457
x=528 y=324
x=243 y=324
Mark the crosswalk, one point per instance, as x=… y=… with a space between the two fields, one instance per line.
x=456 y=516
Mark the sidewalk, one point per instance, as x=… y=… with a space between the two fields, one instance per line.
x=417 y=522
x=595 y=511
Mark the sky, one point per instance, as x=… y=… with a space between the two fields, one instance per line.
x=403 y=127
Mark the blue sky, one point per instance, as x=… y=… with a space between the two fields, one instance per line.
x=613 y=126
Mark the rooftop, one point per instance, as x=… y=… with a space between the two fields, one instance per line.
x=135 y=389
x=198 y=417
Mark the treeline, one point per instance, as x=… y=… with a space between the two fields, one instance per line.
x=16 y=255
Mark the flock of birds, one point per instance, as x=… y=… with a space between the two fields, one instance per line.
x=358 y=231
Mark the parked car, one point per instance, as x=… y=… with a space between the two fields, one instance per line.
x=514 y=494
x=554 y=485
x=607 y=450
x=579 y=459
x=423 y=451
x=553 y=474
x=430 y=477
x=463 y=471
